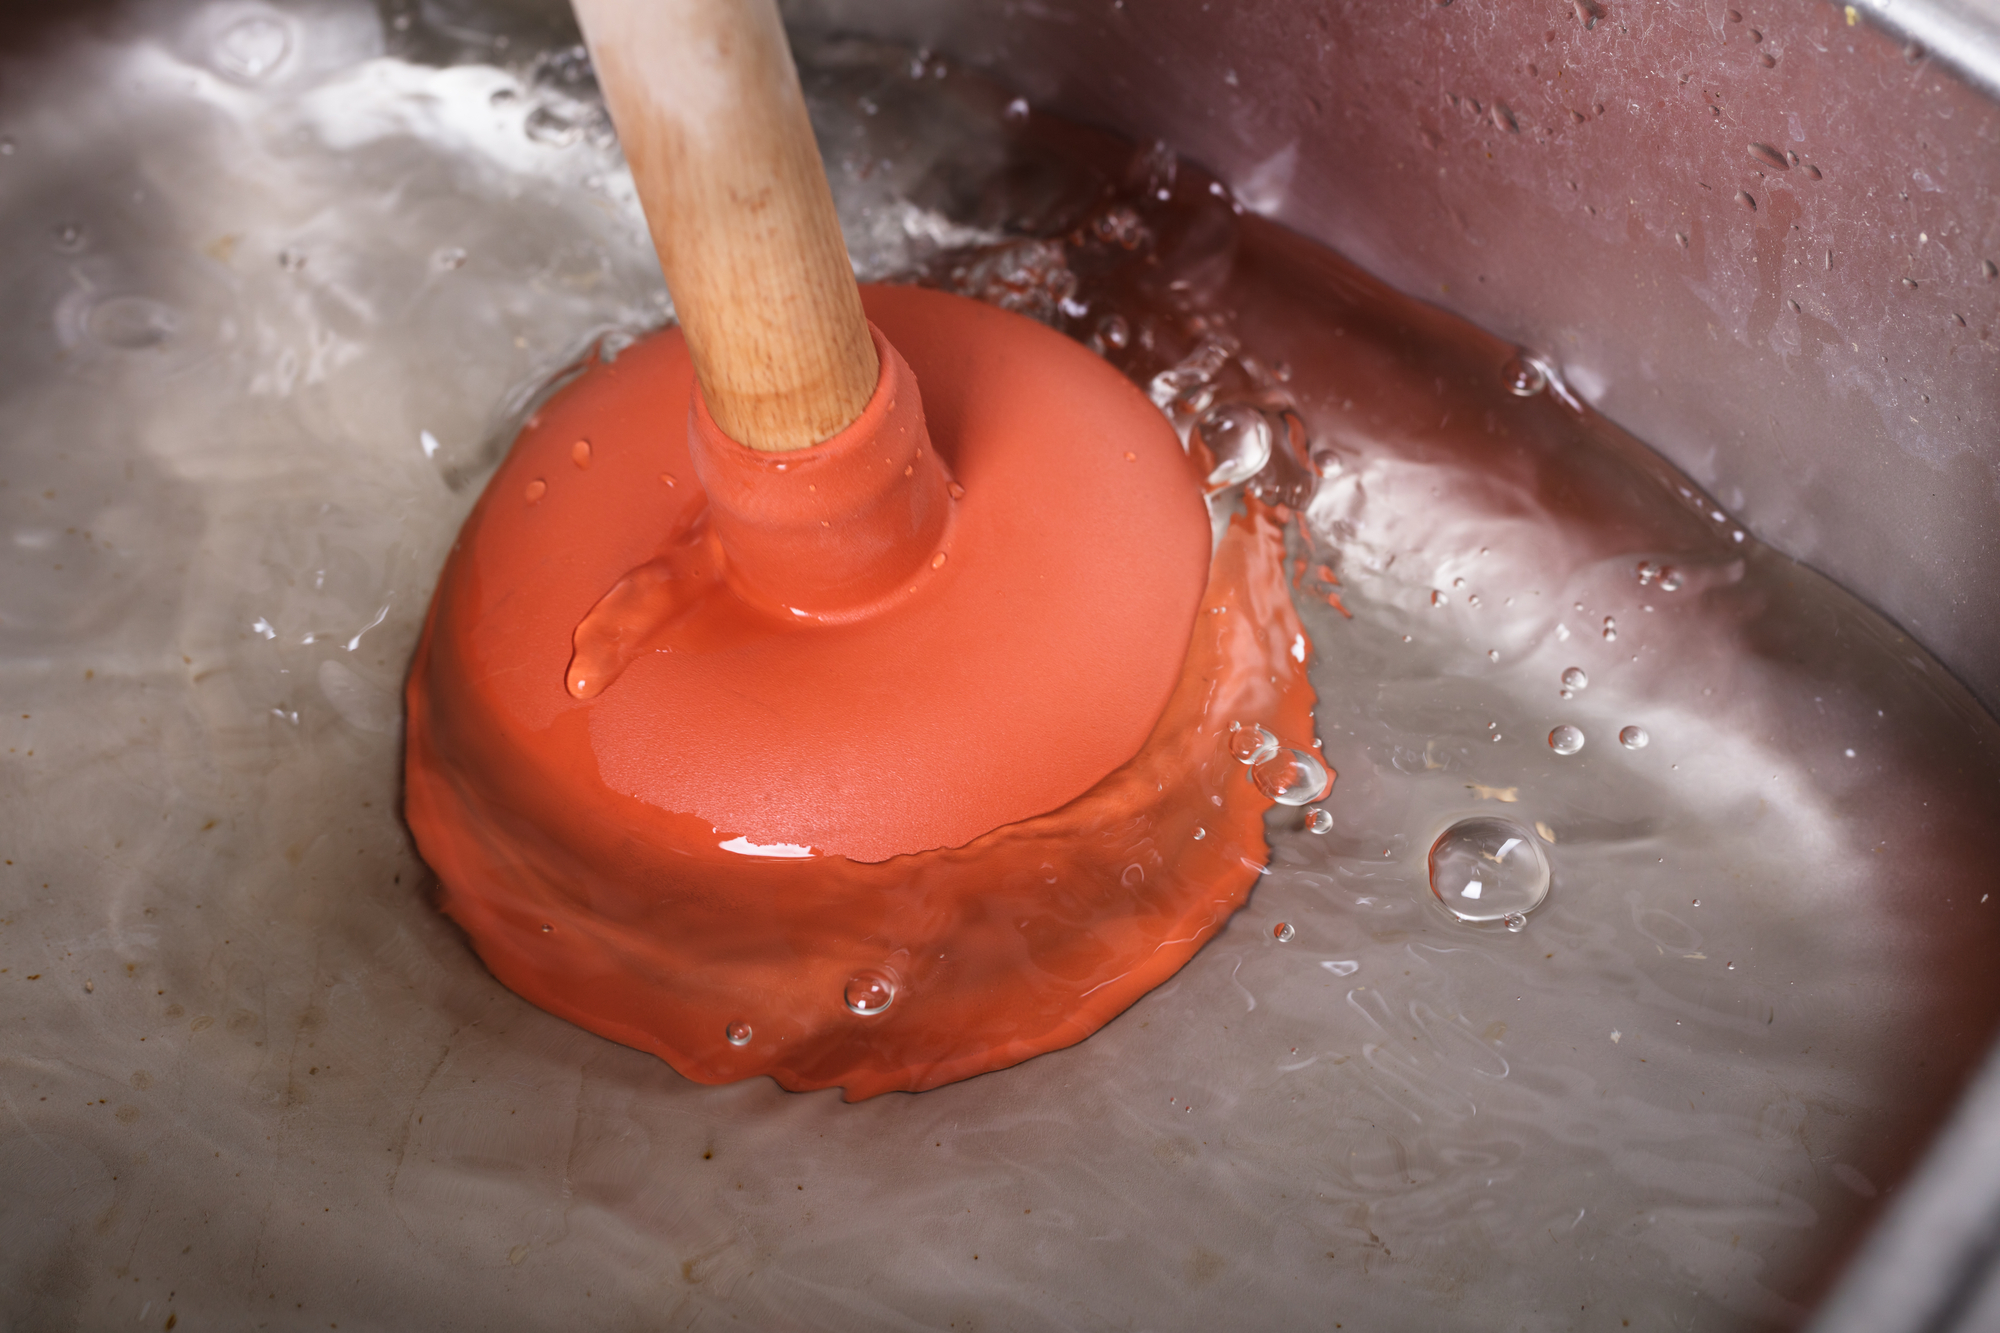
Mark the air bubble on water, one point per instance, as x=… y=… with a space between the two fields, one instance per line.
x=1523 y=376
x=69 y=235
x=130 y=323
x=737 y=1034
x=870 y=991
x=252 y=47
x=1240 y=437
x=1291 y=777
x=1283 y=932
x=1251 y=745
x=1318 y=820
x=1634 y=738
x=1671 y=580
x=1488 y=869
x=1610 y=630
x=1566 y=739
x=1575 y=678
x=548 y=126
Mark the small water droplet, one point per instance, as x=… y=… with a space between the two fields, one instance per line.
x=1523 y=376
x=1252 y=745
x=1283 y=932
x=1745 y=198
x=1516 y=921
x=870 y=991
x=1766 y=59
x=1017 y=109
x=1671 y=580
x=548 y=929
x=1814 y=172
x=1634 y=738
x=1610 y=630
x=1729 y=967
x=447 y=259
x=1472 y=599
x=1503 y=119
x=1566 y=739
x=1492 y=654
x=1318 y=820
x=1575 y=678
x=536 y=490
x=579 y=454
x=1200 y=833
x=69 y=235
x=737 y=1034
x=1647 y=569
x=1770 y=157
x=252 y=47
x=1240 y=437
x=1989 y=268
x=1291 y=777
x=1488 y=869
x=1437 y=598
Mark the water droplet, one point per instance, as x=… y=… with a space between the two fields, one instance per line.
x=1770 y=157
x=545 y=125
x=1748 y=200
x=548 y=929
x=1565 y=739
x=1766 y=59
x=1200 y=833
x=1516 y=921
x=1437 y=598
x=1283 y=932
x=1318 y=820
x=69 y=235
x=1989 y=268
x=1610 y=630
x=1252 y=745
x=1291 y=777
x=1671 y=580
x=871 y=990
x=447 y=259
x=1647 y=569
x=1492 y=654
x=1815 y=172
x=252 y=47
x=1487 y=869
x=1523 y=376
x=1735 y=17
x=1575 y=678
x=1634 y=738
x=1503 y=119
x=536 y=490
x=1017 y=109
x=579 y=454
x=131 y=322
x=1240 y=437
x=737 y=1034
x=1472 y=599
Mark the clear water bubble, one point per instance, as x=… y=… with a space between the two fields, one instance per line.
x=1240 y=437
x=1488 y=869
x=1575 y=678
x=131 y=323
x=1634 y=738
x=1252 y=745
x=1610 y=629
x=1318 y=820
x=870 y=991
x=737 y=1034
x=1523 y=376
x=1283 y=932
x=1566 y=739
x=1291 y=777
x=1671 y=580
x=251 y=48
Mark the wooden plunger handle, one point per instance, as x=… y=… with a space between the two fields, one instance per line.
x=707 y=105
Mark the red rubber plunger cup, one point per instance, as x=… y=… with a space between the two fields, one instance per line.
x=873 y=754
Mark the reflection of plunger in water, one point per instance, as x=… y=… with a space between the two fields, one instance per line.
x=903 y=744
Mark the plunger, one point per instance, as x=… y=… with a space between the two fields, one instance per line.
x=843 y=686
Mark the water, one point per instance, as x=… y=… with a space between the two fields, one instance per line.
x=1291 y=777
x=870 y=991
x=1575 y=678
x=1635 y=738
x=1488 y=869
x=1654 y=1101
x=1566 y=739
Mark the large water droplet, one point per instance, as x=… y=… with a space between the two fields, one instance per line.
x=1634 y=738
x=250 y=48
x=1240 y=437
x=871 y=990
x=131 y=322
x=737 y=1034
x=1575 y=678
x=1291 y=777
x=1252 y=745
x=1487 y=869
x=1523 y=376
x=1566 y=739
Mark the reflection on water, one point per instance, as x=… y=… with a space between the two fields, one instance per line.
x=283 y=292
